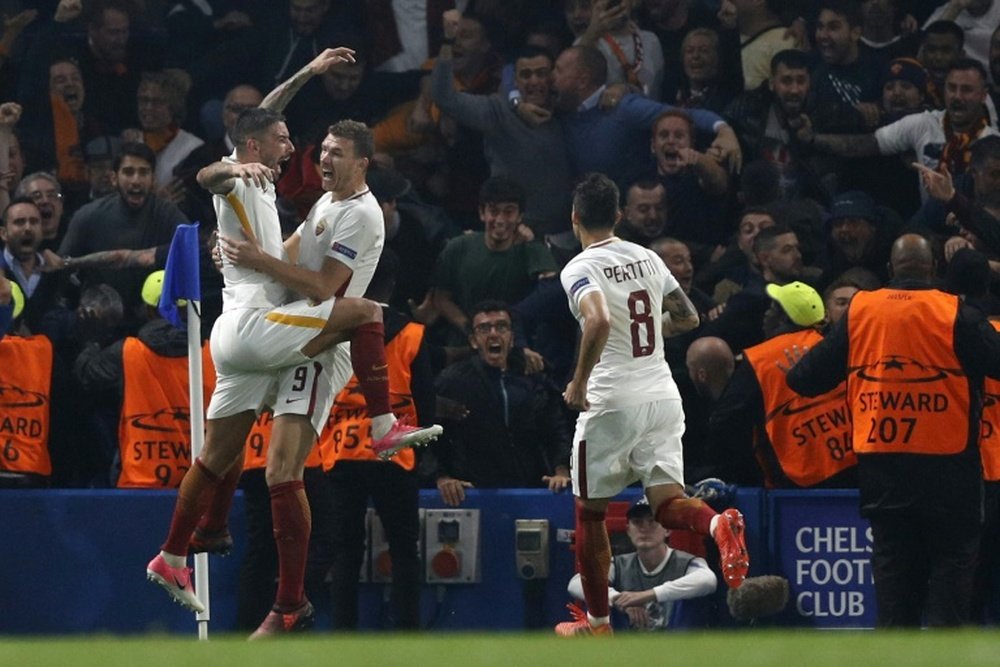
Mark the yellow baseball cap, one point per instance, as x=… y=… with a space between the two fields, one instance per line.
x=802 y=304
x=18 y=295
x=152 y=288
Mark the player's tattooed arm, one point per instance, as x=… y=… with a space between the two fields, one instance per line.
x=279 y=98
x=220 y=177
x=679 y=314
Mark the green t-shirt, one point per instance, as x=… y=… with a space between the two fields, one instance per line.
x=472 y=272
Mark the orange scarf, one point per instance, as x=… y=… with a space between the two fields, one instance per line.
x=69 y=156
x=631 y=69
x=956 y=154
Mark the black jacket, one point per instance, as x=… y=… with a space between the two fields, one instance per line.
x=516 y=430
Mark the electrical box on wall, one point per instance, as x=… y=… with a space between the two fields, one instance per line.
x=451 y=543
x=531 y=548
x=378 y=547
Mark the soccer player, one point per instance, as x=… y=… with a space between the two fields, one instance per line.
x=266 y=353
x=631 y=421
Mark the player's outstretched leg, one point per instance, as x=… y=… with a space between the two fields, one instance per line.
x=401 y=436
x=727 y=529
x=389 y=435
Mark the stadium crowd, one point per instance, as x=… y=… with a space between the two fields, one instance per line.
x=771 y=152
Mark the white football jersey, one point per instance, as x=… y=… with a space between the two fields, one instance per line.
x=632 y=369
x=244 y=287
x=351 y=231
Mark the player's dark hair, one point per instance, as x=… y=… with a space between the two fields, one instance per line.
x=252 y=123
x=595 y=202
x=357 y=132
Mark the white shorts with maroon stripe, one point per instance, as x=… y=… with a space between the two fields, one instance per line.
x=259 y=362
x=614 y=448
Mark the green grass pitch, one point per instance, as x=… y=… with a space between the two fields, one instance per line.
x=746 y=648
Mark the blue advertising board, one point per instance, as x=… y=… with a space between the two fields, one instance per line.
x=820 y=543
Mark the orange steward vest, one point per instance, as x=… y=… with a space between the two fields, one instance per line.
x=25 y=397
x=348 y=430
x=255 y=452
x=989 y=443
x=154 y=433
x=811 y=437
x=906 y=388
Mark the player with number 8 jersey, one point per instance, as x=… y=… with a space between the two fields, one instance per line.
x=633 y=279
x=631 y=421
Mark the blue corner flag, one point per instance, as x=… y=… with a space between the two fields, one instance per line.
x=182 y=278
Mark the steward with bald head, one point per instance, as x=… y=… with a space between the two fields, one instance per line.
x=914 y=358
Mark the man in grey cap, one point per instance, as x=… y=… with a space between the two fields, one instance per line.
x=646 y=583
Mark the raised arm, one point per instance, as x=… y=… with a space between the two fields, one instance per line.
x=283 y=93
x=679 y=314
x=478 y=112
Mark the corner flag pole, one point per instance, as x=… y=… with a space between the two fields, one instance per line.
x=182 y=280
x=197 y=406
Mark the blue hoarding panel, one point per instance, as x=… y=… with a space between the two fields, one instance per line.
x=820 y=543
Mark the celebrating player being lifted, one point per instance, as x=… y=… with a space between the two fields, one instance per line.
x=271 y=350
